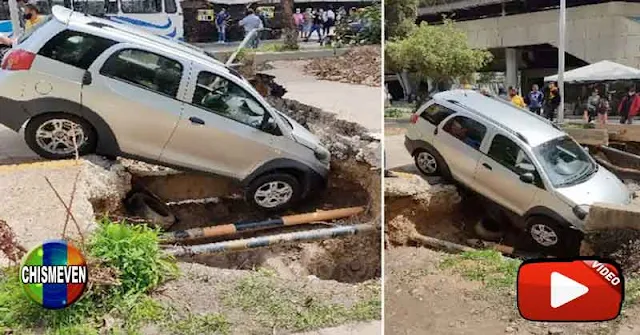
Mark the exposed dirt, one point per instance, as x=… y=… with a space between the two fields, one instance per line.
x=422 y=298
x=360 y=65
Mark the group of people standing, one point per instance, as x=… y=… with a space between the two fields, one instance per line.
x=250 y=22
x=316 y=21
x=597 y=106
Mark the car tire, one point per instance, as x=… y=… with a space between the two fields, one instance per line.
x=430 y=163
x=57 y=126
x=547 y=234
x=274 y=191
x=488 y=230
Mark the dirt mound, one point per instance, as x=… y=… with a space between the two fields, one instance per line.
x=360 y=65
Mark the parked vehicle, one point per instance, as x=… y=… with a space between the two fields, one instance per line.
x=116 y=91
x=532 y=174
x=159 y=17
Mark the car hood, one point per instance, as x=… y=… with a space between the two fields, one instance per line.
x=604 y=187
x=301 y=134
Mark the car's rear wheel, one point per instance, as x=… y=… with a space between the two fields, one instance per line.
x=274 y=192
x=430 y=163
x=55 y=136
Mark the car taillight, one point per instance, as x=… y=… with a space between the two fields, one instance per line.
x=18 y=60
x=414 y=117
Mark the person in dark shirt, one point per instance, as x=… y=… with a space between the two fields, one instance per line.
x=221 y=24
x=551 y=101
x=316 y=25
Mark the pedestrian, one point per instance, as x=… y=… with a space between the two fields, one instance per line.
x=330 y=22
x=249 y=23
x=603 y=109
x=221 y=25
x=591 y=108
x=551 y=102
x=308 y=23
x=515 y=98
x=316 y=25
x=298 y=20
x=534 y=100
x=323 y=15
x=31 y=18
x=629 y=106
x=502 y=93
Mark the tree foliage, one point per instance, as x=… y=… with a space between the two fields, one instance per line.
x=440 y=52
x=399 y=17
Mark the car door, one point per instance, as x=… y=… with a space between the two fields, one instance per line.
x=458 y=140
x=498 y=175
x=135 y=91
x=220 y=129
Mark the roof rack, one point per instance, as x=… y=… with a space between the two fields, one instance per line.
x=494 y=122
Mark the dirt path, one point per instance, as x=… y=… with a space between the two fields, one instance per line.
x=422 y=298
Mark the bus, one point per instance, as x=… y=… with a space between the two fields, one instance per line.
x=159 y=17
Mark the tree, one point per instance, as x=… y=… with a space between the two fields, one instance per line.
x=290 y=29
x=439 y=52
x=399 y=17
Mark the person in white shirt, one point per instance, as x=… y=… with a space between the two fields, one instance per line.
x=330 y=21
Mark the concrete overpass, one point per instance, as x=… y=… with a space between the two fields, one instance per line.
x=513 y=31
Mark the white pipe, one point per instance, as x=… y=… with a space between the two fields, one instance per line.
x=561 y=48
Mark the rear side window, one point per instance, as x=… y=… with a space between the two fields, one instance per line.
x=435 y=114
x=75 y=48
x=170 y=6
x=145 y=69
x=469 y=131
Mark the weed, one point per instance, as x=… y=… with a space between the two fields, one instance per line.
x=488 y=266
x=201 y=324
x=395 y=112
x=135 y=252
x=631 y=291
x=297 y=310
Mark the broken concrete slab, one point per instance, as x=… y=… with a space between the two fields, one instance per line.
x=34 y=213
x=604 y=216
x=589 y=136
x=622 y=132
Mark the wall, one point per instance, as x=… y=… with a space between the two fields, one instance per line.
x=594 y=32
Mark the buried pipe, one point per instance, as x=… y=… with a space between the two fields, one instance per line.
x=289 y=220
x=258 y=242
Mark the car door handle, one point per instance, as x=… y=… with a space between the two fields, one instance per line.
x=196 y=120
x=487 y=166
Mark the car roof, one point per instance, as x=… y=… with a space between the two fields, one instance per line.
x=524 y=124
x=127 y=34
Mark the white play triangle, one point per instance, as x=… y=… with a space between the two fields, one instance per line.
x=565 y=289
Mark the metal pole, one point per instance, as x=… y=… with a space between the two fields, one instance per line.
x=265 y=241
x=561 y=48
x=14 y=12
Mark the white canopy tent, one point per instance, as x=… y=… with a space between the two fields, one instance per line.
x=601 y=71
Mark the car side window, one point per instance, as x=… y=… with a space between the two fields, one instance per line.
x=170 y=6
x=146 y=69
x=435 y=114
x=141 y=7
x=510 y=155
x=225 y=98
x=75 y=48
x=466 y=130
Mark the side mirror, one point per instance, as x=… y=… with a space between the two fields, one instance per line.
x=269 y=125
x=527 y=178
x=87 y=79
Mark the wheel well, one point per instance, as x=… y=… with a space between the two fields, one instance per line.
x=45 y=114
x=296 y=173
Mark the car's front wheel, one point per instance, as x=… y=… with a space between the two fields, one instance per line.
x=56 y=136
x=274 y=192
x=553 y=238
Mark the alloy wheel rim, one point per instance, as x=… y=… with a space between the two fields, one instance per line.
x=544 y=235
x=427 y=162
x=56 y=136
x=273 y=194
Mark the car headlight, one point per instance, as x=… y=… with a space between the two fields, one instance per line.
x=581 y=211
x=322 y=154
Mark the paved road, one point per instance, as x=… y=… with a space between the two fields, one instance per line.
x=356 y=103
x=13 y=149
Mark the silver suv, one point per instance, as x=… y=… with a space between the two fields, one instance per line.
x=116 y=91
x=539 y=178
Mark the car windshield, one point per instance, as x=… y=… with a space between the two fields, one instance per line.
x=565 y=162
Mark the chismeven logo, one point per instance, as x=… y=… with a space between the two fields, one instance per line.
x=54 y=274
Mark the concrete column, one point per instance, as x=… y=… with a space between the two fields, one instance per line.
x=511 y=75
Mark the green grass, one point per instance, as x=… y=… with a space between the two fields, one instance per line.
x=201 y=325
x=487 y=266
x=297 y=310
x=396 y=112
x=631 y=291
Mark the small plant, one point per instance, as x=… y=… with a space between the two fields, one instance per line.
x=201 y=324
x=135 y=251
x=394 y=112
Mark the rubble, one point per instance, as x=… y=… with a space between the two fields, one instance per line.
x=360 y=65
